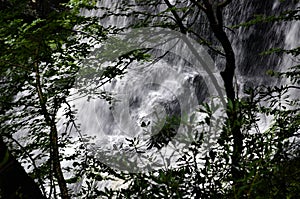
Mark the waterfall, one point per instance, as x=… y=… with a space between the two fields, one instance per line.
x=261 y=37
x=250 y=42
x=149 y=93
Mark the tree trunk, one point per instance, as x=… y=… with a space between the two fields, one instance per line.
x=14 y=181
x=214 y=15
x=53 y=137
x=213 y=11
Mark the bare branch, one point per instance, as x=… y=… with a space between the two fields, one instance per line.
x=186 y=13
x=175 y=14
x=199 y=5
x=54 y=147
x=206 y=43
x=224 y=4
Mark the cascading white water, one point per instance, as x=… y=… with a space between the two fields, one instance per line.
x=149 y=92
x=252 y=41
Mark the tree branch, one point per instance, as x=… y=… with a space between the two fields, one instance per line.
x=54 y=150
x=206 y=43
x=224 y=4
x=178 y=19
x=199 y=5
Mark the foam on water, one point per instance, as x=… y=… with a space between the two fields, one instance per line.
x=149 y=92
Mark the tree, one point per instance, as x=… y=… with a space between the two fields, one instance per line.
x=241 y=113
x=41 y=53
x=43 y=47
x=14 y=181
x=213 y=11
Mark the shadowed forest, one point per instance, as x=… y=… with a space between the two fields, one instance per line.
x=149 y=99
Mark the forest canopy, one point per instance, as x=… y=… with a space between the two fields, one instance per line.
x=51 y=48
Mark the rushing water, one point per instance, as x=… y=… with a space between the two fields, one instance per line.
x=172 y=86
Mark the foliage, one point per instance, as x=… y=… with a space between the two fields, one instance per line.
x=287 y=15
x=40 y=59
x=268 y=156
